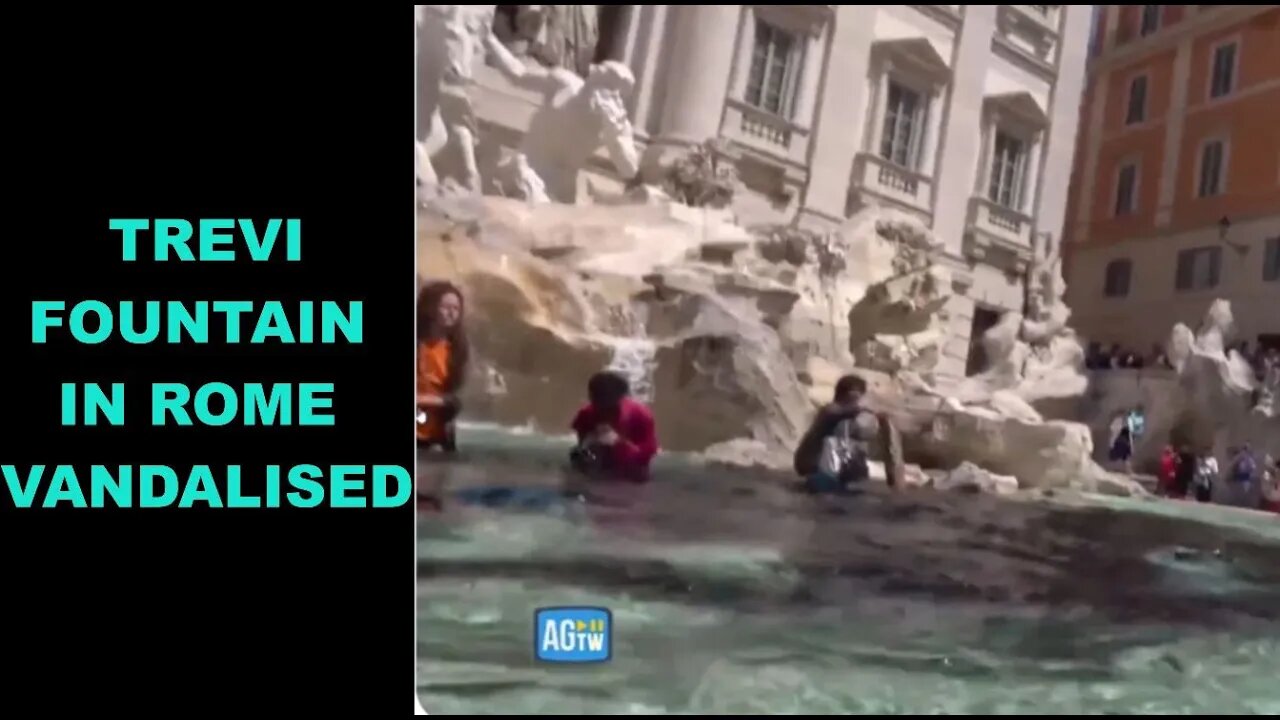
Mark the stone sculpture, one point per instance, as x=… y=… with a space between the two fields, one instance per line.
x=704 y=176
x=1266 y=406
x=452 y=35
x=1034 y=354
x=577 y=117
x=725 y=374
x=900 y=322
x=1223 y=403
x=558 y=35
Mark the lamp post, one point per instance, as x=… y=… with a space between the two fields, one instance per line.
x=1224 y=227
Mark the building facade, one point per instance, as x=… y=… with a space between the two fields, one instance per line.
x=965 y=115
x=1176 y=192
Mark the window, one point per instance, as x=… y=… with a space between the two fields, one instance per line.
x=1126 y=189
x=1198 y=268
x=1222 y=78
x=1116 y=282
x=1271 y=265
x=1137 y=111
x=1008 y=166
x=1150 y=19
x=903 y=126
x=1212 y=154
x=771 y=84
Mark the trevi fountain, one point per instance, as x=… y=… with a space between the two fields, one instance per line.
x=1006 y=572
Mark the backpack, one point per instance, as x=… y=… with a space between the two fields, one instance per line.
x=842 y=454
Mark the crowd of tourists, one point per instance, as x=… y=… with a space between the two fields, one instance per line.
x=1261 y=359
x=1098 y=358
x=1247 y=481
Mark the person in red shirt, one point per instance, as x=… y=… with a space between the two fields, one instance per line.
x=617 y=437
x=1168 y=471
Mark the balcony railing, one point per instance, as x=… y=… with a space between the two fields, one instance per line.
x=877 y=176
x=766 y=133
x=1008 y=227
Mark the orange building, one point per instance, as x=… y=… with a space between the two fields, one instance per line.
x=1175 y=196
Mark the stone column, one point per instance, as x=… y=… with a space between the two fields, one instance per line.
x=810 y=75
x=959 y=158
x=1064 y=120
x=933 y=128
x=1031 y=179
x=742 y=62
x=837 y=130
x=879 y=104
x=645 y=62
x=701 y=59
x=987 y=124
x=630 y=34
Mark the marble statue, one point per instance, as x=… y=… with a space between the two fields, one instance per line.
x=1033 y=354
x=577 y=117
x=572 y=34
x=1222 y=402
x=1046 y=313
x=453 y=35
x=1269 y=390
x=562 y=36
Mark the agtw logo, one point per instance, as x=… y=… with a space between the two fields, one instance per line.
x=573 y=635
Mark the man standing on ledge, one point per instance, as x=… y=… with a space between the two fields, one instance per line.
x=833 y=451
x=617 y=437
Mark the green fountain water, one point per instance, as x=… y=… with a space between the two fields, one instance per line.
x=732 y=594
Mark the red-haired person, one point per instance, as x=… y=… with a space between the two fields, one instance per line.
x=443 y=353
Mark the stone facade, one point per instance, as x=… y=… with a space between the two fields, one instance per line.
x=964 y=115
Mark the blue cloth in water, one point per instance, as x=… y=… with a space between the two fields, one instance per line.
x=821 y=482
x=530 y=498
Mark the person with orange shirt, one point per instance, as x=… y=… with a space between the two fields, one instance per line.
x=443 y=353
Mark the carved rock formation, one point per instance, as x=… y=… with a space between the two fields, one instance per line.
x=971 y=478
x=554 y=296
x=1003 y=435
x=715 y=325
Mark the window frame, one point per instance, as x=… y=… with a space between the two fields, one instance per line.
x=792 y=69
x=1223 y=165
x=1107 y=289
x=1157 y=17
x=1212 y=251
x=920 y=123
x=1129 y=118
x=1018 y=186
x=1271 y=259
x=1230 y=42
x=1116 y=211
